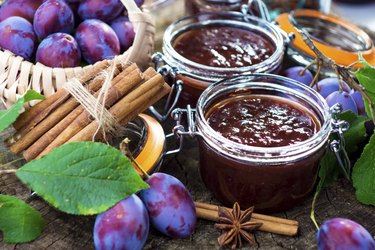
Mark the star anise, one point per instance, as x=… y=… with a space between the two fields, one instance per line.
x=236 y=225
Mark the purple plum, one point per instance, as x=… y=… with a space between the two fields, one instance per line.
x=170 y=206
x=99 y=9
x=344 y=99
x=17 y=35
x=328 y=85
x=59 y=50
x=97 y=41
x=299 y=74
x=53 y=16
x=124 y=226
x=344 y=234
x=357 y=97
x=125 y=32
x=22 y=8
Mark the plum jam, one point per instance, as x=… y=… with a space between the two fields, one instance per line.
x=224 y=47
x=261 y=138
x=211 y=46
x=262 y=121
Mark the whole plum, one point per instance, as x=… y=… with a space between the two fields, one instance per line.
x=344 y=234
x=97 y=40
x=344 y=99
x=170 y=206
x=59 y=50
x=328 y=85
x=53 y=16
x=300 y=74
x=124 y=226
x=22 y=8
x=17 y=35
x=124 y=30
x=357 y=97
x=99 y=9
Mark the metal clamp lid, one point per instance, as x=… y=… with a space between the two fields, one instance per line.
x=167 y=71
x=337 y=143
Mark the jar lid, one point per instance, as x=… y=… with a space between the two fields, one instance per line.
x=147 y=142
x=337 y=39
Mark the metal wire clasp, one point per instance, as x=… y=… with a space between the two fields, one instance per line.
x=165 y=68
x=179 y=130
x=337 y=142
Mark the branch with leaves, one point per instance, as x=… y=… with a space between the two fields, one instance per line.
x=343 y=72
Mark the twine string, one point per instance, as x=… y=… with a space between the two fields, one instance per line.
x=94 y=106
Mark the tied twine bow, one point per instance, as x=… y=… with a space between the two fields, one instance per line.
x=94 y=106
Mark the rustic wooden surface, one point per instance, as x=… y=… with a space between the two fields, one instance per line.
x=75 y=232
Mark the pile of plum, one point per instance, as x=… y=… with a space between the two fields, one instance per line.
x=330 y=89
x=59 y=33
x=167 y=204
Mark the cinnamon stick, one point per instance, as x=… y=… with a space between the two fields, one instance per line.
x=78 y=119
x=37 y=113
x=126 y=106
x=163 y=92
x=269 y=223
x=30 y=135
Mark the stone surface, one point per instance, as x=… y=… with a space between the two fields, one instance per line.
x=65 y=231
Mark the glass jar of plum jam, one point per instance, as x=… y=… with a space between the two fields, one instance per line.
x=261 y=138
x=200 y=50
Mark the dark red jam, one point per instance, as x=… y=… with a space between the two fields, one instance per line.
x=223 y=46
x=262 y=121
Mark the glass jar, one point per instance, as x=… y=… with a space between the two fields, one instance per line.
x=337 y=39
x=147 y=142
x=269 y=178
x=197 y=76
x=197 y=6
x=164 y=12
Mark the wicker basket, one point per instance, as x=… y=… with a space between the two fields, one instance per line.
x=18 y=75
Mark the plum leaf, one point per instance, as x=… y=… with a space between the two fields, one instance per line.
x=7 y=117
x=19 y=222
x=82 y=177
x=356 y=134
x=363 y=175
x=328 y=173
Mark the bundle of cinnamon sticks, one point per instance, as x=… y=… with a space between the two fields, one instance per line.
x=61 y=119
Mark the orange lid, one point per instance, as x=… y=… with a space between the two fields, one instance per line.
x=153 y=148
x=340 y=56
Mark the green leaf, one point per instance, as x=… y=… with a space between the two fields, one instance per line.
x=366 y=77
x=82 y=177
x=356 y=134
x=328 y=173
x=329 y=170
x=364 y=174
x=7 y=117
x=19 y=222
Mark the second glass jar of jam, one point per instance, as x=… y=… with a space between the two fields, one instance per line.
x=261 y=138
x=205 y=48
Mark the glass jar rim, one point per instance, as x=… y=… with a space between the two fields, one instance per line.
x=273 y=33
x=265 y=155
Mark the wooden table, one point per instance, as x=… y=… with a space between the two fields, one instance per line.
x=75 y=232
